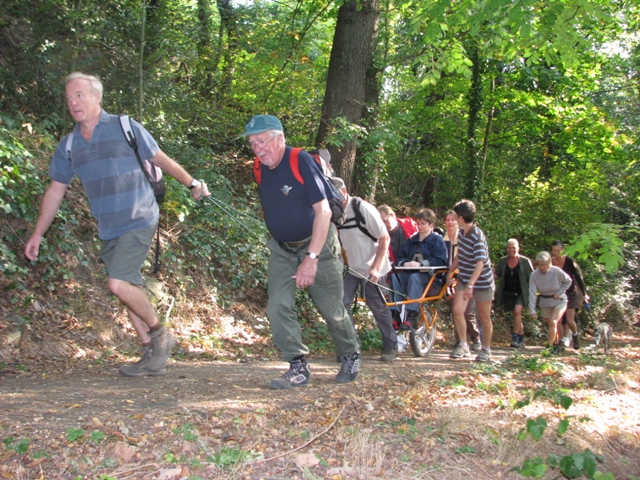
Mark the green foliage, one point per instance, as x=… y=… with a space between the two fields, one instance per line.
x=74 y=434
x=572 y=465
x=187 y=431
x=229 y=456
x=604 y=243
x=533 y=468
x=97 y=436
x=19 y=446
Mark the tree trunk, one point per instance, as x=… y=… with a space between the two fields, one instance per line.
x=354 y=43
x=226 y=55
x=475 y=105
x=367 y=169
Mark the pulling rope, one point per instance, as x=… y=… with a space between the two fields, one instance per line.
x=364 y=279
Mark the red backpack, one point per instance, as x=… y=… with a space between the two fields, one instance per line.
x=293 y=163
x=336 y=204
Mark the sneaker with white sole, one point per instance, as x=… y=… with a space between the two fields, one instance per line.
x=297 y=376
x=349 y=368
x=460 y=351
x=484 y=355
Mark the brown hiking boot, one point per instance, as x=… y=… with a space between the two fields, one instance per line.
x=163 y=342
x=141 y=367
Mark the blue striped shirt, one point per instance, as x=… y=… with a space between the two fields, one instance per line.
x=120 y=196
x=473 y=248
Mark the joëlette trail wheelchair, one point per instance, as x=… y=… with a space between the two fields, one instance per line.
x=420 y=337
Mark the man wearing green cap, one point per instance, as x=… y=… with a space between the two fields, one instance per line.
x=305 y=252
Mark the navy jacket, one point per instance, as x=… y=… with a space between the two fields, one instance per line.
x=431 y=251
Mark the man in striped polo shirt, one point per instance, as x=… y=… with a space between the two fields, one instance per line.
x=123 y=204
x=474 y=281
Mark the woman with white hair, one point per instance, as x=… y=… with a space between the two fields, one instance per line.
x=550 y=283
x=512 y=293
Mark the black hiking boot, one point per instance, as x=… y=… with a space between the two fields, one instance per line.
x=297 y=376
x=349 y=369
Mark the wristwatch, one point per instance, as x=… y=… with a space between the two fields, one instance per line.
x=312 y=255
x=194 y=184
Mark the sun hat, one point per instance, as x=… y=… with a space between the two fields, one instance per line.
x=261 y=123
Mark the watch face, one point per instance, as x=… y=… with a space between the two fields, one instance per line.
x=313 y=256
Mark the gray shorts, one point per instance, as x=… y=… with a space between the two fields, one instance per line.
x=575 y=299
x=509 y=304
x=124 y=256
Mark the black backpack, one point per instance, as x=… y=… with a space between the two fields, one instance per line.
x=152 y=173
x=357 y=221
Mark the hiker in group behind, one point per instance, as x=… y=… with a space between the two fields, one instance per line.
x=576 y=294
x=473 y=329
x=551 y=283
x=475 y=280
x=123 y=205
x=424 y=249
x=305 y=251
x=366 y=241
x=512 y=274
x=400 y=230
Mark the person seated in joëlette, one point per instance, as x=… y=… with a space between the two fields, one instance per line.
x=424 y=249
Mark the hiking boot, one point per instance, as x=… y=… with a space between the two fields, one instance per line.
x=297 y=376
x=514 y=340
x=576 y=341
x=520 y=341
x=484 y=355
x=460 y=351
x=389 y=356
x=557 y=349
x=349 y=369
x=476 y=346
x=141 y=367
x=163 y=342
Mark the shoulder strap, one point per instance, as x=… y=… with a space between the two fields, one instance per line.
x=357 y=221
x=69 y=144
x=293 y=163
x=127 y=130
x=257 y=170
x=295 y=167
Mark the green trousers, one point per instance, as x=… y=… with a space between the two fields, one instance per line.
x=326 y=293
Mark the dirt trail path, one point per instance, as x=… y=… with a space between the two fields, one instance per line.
x=81 y=392
x=451 y=417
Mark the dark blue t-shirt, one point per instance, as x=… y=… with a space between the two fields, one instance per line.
x=288 y=204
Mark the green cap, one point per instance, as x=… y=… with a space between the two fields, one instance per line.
x=261 y=123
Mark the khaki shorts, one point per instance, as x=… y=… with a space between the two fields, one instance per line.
x=479 y=294
x=124 y=256
x=548 y=312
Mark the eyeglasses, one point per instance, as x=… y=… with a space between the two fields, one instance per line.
x=261 y=143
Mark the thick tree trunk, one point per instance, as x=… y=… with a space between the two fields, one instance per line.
x=354 y=43
x=367 y=170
